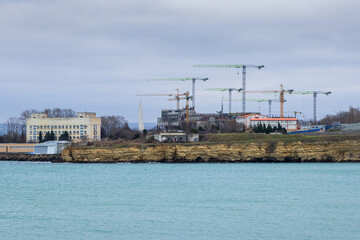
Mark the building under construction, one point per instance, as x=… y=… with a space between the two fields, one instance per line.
x=176 y=118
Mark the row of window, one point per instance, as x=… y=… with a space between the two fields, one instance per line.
x=35 y=127
x=58 y=132
x=35 y=138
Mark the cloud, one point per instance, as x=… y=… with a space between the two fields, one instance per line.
x=96 y=55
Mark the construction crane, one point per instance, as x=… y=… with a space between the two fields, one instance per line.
x=260 y=100
x=295 y=113
x=184 y=79
x=244 y=67
x=314 y=93
x=230 y=90
x=281 y=91
x=187 y=98
x=177 y=96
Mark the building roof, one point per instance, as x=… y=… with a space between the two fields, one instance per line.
x=247 y=115
x=50 y=143
x=273 y=119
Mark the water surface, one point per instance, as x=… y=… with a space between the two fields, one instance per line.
x=179 y=201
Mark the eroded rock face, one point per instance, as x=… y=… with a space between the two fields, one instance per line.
x=347 y=151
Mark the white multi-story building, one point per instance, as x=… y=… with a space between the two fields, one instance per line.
x=84 y=126
x=245 y=119
x=291 y=124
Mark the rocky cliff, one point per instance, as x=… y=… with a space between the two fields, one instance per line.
x=318 y=151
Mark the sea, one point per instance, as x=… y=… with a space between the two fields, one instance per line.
x=179 y=201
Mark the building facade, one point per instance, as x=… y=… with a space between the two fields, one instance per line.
x=290 y=124
x=85 y=126
x=245 y=119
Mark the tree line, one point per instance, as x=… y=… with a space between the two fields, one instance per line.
x=112 y=127
x=350 y=116
x=262 y=128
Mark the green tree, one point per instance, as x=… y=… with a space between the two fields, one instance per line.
x=279 y=128
x=64 y=136
x=274 y=129
x=47 y=137
x=40 y=137
x=268 y=129
x=145 y=132
x=52 y=136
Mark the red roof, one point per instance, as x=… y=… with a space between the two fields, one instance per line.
x=273 y=119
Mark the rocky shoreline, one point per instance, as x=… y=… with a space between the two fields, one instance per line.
x=23 y=157
x=317 y=151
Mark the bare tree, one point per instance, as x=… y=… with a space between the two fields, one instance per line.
x=115 y=127
x=350 y=116
x=13 y=126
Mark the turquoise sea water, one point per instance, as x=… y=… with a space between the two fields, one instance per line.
x=179 y=201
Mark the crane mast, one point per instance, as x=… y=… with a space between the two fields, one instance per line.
x=193 y=80
x=244 y=67
x=261 y=100
x=282 y=100
x=314 y=93
x=230 y=90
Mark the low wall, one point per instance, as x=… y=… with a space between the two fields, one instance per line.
x=30 y=157
x=17 y=147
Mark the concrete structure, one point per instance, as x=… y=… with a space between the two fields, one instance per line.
x=290 y=124
x=17 y=147
x=170 y=137
x=84 y=126
x=51 y=147
x=176 y=137
x=245 y=119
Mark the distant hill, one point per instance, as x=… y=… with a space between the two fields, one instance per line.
x=147 y=125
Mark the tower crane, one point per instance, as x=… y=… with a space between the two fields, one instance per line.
x=281 y=100
x=184 y=79
x=295 y=113
x=176 y=95
x=260 y=100
x=187 y=98
x=314 y=93
x=230 y=90
x=244 y=67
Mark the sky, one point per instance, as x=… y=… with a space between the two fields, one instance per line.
x=96 y=55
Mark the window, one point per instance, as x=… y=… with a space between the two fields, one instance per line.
x=77 y=126
x=84 y=132
x=77 y=132
x=95 y=127
x=62 y=126
x=55 y=127
x=81 y=126
x=30 y=132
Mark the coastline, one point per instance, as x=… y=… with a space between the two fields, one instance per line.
x=261 y=152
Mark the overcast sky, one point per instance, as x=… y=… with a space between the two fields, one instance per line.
x=95 y=55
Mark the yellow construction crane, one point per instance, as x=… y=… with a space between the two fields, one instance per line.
x=281 y=91
x=187 y=98
x=177 y=96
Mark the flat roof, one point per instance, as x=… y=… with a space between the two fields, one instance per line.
x=273 y=119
